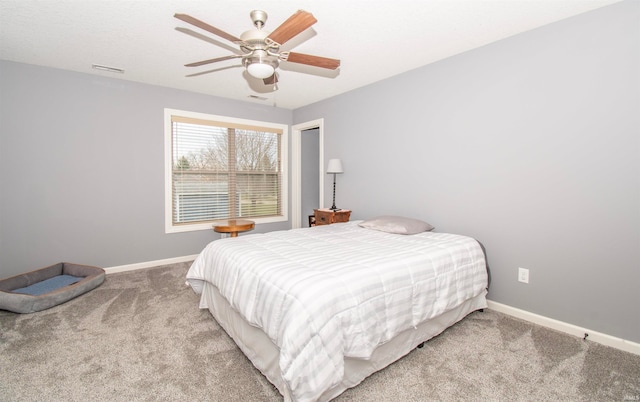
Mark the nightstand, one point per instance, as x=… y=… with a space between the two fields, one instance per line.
x=327 y=217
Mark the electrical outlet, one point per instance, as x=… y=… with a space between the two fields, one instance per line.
x=523 y=275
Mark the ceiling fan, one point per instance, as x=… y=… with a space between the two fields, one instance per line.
x=260 y=49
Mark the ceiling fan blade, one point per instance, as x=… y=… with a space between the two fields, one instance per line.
x=203 y=25
x=317 y=61
x=295 y=24
x=271 y=80
x=202 y=63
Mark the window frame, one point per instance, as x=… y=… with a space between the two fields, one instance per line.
x=170 y=227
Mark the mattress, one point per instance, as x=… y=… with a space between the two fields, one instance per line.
x=327 y=293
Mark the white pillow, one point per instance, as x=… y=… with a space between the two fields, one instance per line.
x=397 y=224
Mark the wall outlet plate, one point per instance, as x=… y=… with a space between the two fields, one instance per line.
x=523 y=275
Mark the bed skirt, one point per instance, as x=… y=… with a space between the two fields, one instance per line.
x=264 y=354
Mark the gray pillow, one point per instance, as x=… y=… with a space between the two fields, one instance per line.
x=397 y=224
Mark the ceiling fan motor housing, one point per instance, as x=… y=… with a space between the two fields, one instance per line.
x=254 y=36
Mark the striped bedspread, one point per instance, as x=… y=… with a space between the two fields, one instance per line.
x=338 y=290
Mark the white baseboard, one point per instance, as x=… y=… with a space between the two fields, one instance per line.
x=571 y=329
x=149 y=264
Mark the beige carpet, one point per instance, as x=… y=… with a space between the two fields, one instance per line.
x=141 y=337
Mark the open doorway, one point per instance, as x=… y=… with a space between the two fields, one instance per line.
x=312 y=134
x=309 y=174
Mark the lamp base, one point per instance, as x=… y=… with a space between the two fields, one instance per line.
x=333 y=206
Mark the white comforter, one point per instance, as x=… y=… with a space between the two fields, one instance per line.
x=338 y=290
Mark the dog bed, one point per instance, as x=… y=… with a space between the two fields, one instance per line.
x=47 y=287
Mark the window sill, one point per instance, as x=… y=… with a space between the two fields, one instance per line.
x=170 y=228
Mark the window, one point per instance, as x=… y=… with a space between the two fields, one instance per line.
x=219 y=167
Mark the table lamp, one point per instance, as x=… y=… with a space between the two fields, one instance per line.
x=334 y=167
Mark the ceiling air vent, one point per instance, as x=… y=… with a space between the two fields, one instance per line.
x=262 y=98
x=107 y=68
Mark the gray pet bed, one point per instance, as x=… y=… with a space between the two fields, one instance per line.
x=47 y=287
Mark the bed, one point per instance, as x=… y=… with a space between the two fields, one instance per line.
x=319 y=309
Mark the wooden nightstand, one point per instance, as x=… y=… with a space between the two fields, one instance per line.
x=327 y=217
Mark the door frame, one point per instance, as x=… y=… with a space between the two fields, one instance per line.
x=296 y=168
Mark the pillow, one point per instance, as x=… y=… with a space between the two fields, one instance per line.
x=397 y=224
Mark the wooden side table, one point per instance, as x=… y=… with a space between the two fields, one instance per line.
x=326 y=216
x=233 y=226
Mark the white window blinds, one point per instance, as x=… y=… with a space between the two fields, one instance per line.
x=224 y=170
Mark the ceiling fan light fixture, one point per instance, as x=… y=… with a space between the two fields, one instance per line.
x=260 y=70
x=260 y=65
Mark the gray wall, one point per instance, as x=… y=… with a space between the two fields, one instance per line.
x=531 y=145
x=82 y=168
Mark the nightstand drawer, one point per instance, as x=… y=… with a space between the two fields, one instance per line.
x=327 y=216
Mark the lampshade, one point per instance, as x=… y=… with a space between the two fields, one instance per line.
x=260 y=70
x=335 y=166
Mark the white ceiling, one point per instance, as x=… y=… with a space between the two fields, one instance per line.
x=374 y=39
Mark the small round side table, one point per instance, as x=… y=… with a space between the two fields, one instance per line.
x=233 y=226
